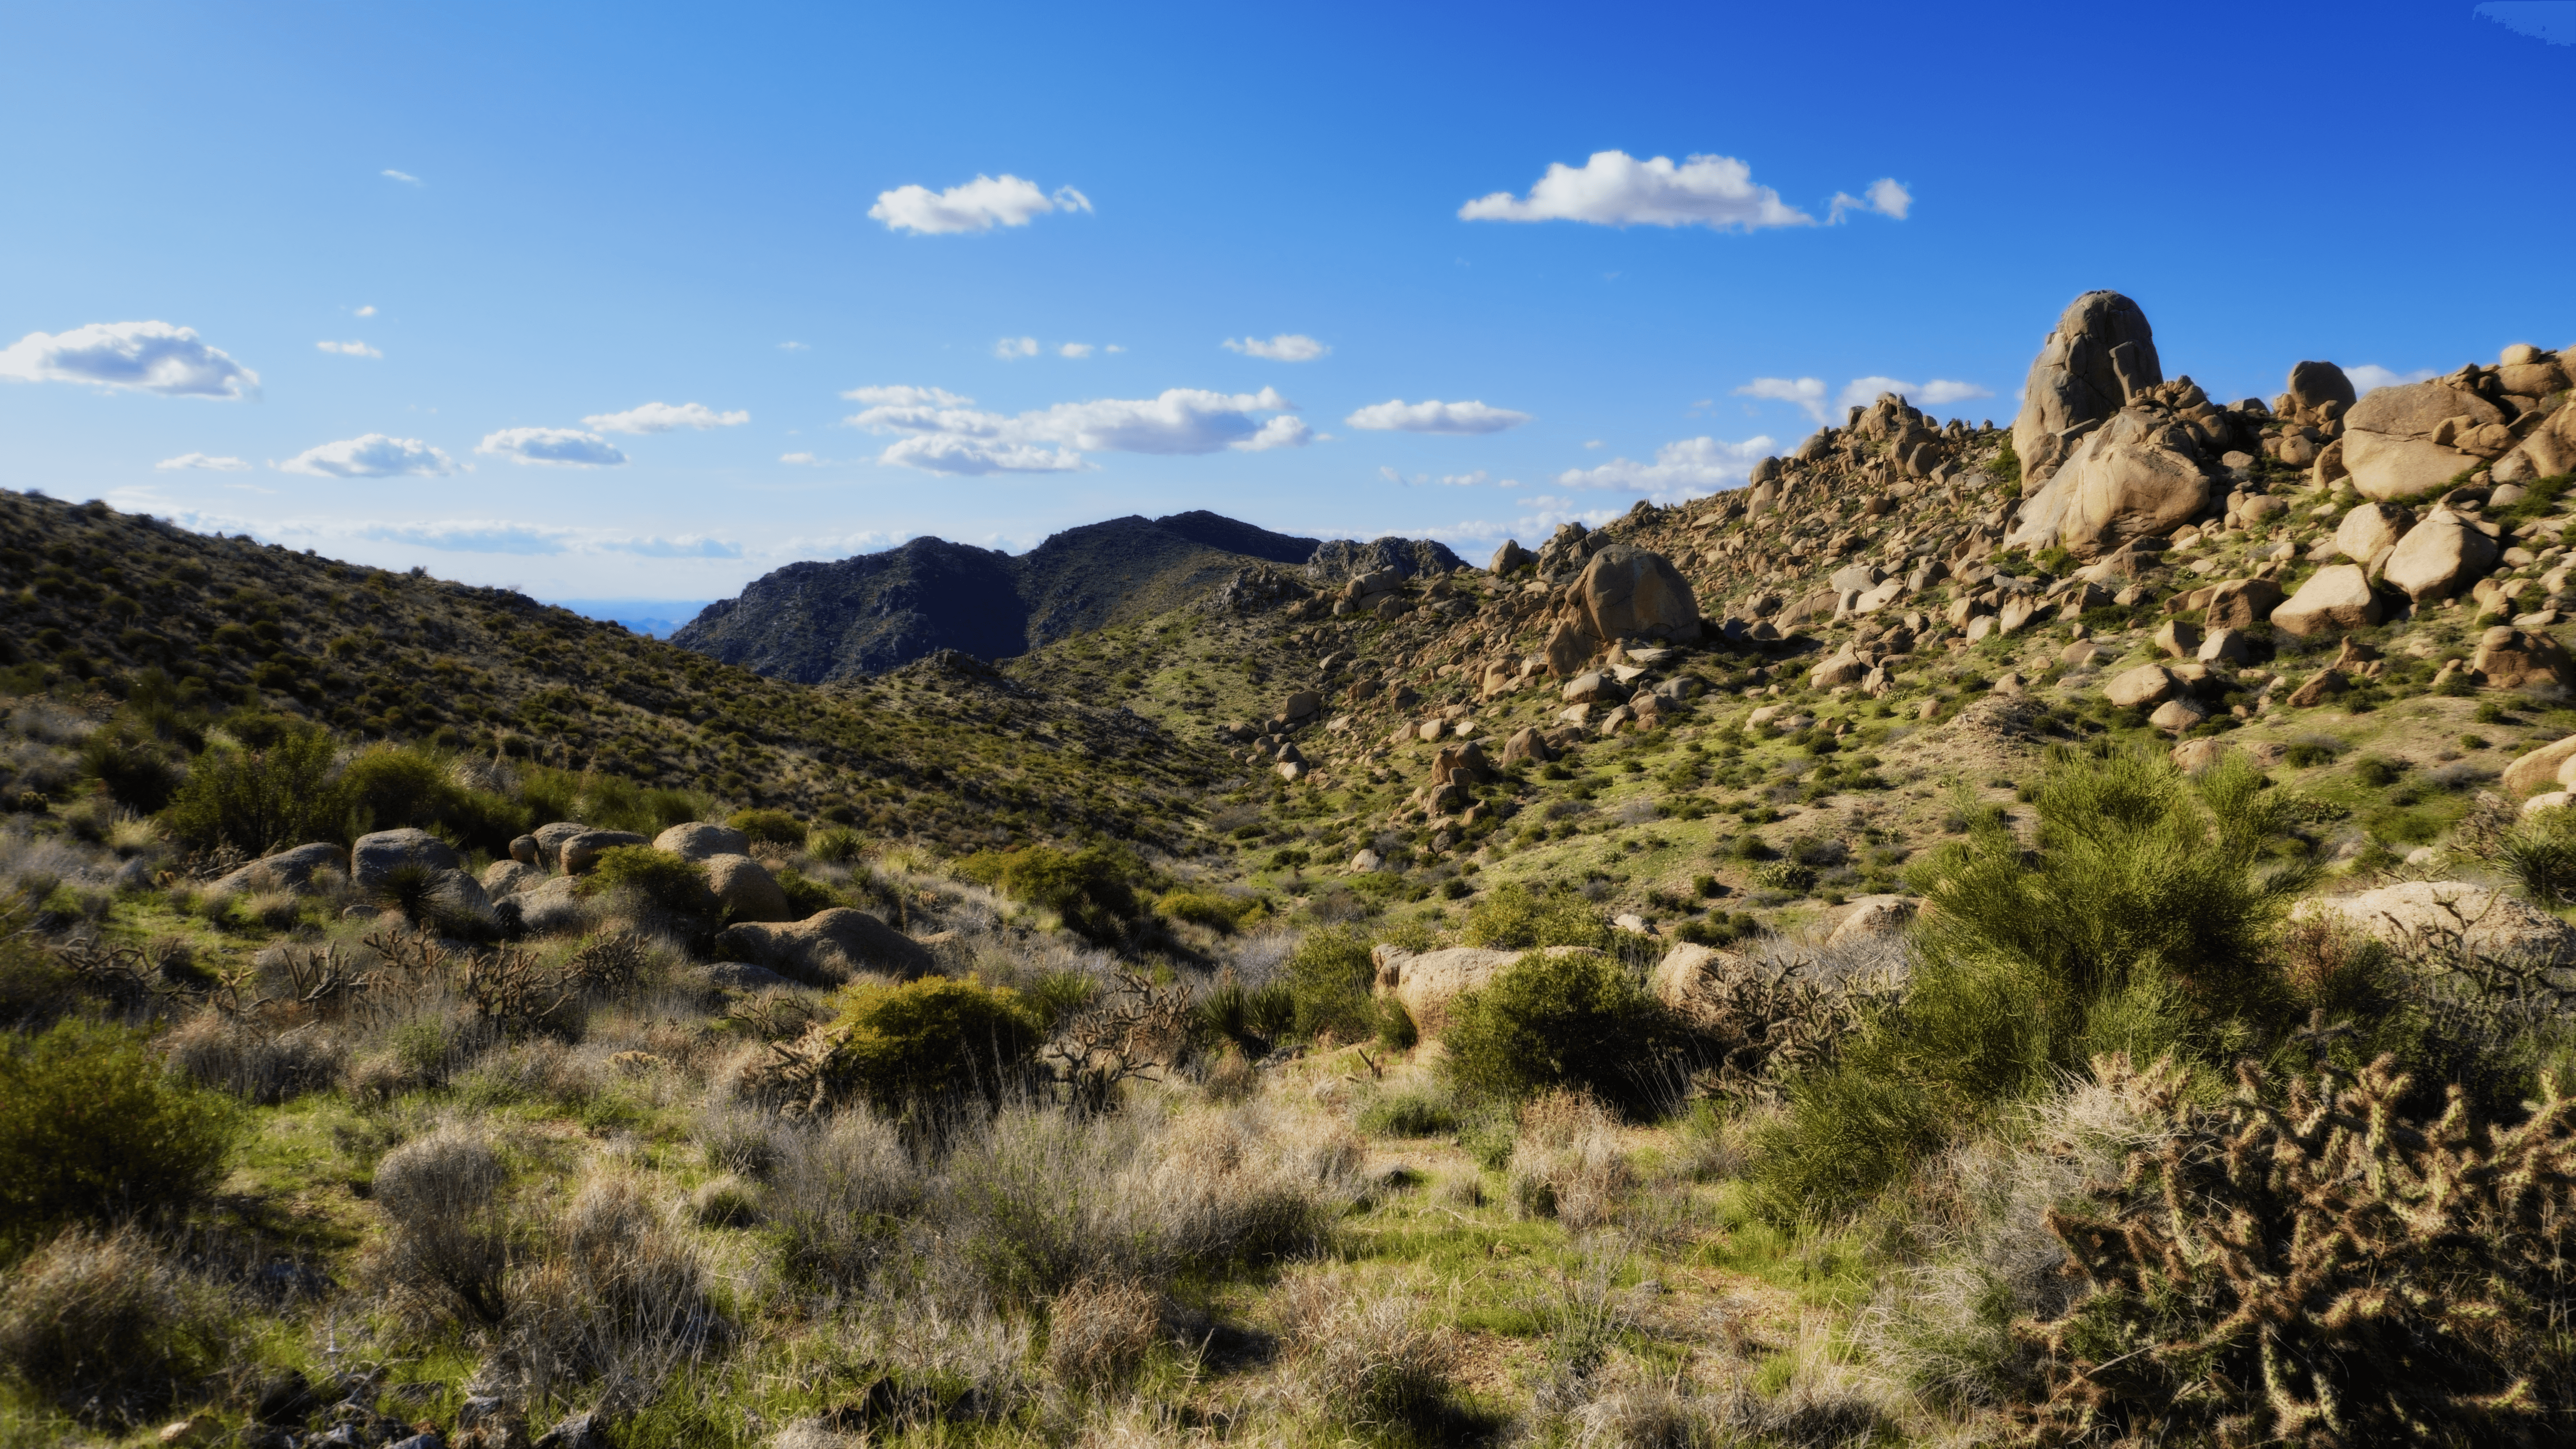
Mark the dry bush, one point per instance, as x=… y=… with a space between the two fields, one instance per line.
x=2310 y=1266
x=841 y=1190
x=725 y=1202
x=253 y=1061
x=446 y=1249
x=957 y=1359
x=614 y=1294
x=107 y=1324
x=1367 y=1360
x=539 y=1069
x=1566 y=1162
x=1778 y=1010
x=742 y=1140
x=1099 y=1331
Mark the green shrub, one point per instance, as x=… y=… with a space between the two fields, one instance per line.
x=1514 y=918
x=1410 y=1114
x=1213 y=909
x=92 y=1128
x=770 y=827
x=932 y=1038
x=257 y=800
x=2540 y=854
x=1092 y=890
x=805 y=895
x=1254 y=1019
x=2141 y=924
x=836 y=845
x=1576 y=1020
x=664 y=880
x=130 y=767
x=108 y=1325
x=1329 y=977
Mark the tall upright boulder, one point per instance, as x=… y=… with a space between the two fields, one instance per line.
x=1627 y=591
x=2136 y=476
x=2314 y=385
x=2102 y=352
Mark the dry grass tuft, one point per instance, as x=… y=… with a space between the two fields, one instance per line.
x=1099 y=1331
x=445 y=1250
x=1566 y=1162
x=107 y=1324
x=1365 y=1359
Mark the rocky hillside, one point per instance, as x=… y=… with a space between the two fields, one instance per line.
x=811 y=622
x=90 y=597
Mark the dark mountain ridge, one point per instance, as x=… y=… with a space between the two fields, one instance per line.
x=861 y=616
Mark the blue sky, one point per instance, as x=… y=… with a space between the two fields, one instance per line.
x=643 y=301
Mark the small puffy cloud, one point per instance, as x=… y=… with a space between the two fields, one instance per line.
x=1074 y=349
x=1684 y=469
x=906 y=397
x=944 y=435
x=1279 y=432
x=2370 y=375
x=202 y=460
x=687 y=545
x=1286 y=347
x=367 y=311
x=470 y=536
x=1113 y=347
x=661 y=417
x=1616 y=189
x=1884 y=196
x=404 y=177
x=555 y=447
x=792 y=347
x=2552 y=22
x=349 y=349
x=1400 y=416
x=979 y=205
x=1009 y=348
x=373 y=455
x=800 y=460
x=143 y=356
x=1860 y=392
x=1807 y=392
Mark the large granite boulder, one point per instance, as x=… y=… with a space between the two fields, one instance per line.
x=2435 y=912
x=1425 y=982
x=2313 y=385
x=504 y=878
x=2336 y=597
x=745 y=890
x=2439 y=557
x=1627 y=591
x=2136 y=476
x=2370 y=530
x=2511 y=658
x=583 y=851
x=2388 y=441
x=698 y=840
x=375 y=858
x=550 y=841
x=2546 y=451
x=288 y=870
x=828 y=948
x=2101 y=353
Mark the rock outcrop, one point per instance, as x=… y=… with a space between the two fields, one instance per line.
x=698 y=840
x=2101 y=352
x=1425 y=982
x=828 y=949
x=287 y=870
x=2488 y=922
x=1627 y=592
x=2397 y=440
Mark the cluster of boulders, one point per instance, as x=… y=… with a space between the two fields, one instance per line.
x=537 y=891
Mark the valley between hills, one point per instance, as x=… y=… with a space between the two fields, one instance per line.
x=2048 y=933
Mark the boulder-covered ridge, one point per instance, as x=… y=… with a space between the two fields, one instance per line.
x=861 y=616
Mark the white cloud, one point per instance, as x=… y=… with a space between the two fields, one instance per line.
x=1592 y=442
x=792 y=347
x=367 y=311
x=145 y=356
x=1687 y=468
x=1807 y=392
x=1884 y=196
x=662 y=417
x=944 y=435
x=2370 y=375
x=978 y=205
x=906 y=397
x=1074 y=349
x=1012 y=347
x=466 y=536
x=687 y=545
x=372 y=456
x=202 y=460
x=1616 y=189
x=1113 y=347
x=557 y=447
x=1860 y=392
x=349 y=349
x=1400 y=416
x=2552 y=22
x=801 y=460
x=1286 y=347
x=402 y=176
x=1279 y=432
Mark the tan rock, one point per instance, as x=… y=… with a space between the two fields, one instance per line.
x=2489 y=923
x=2370 y=530
x=1567 y=648
x=509 y=877
x=2388 y=441
x=2537 y=769
x=2143 y=685
x=827 y=949
x=287 y=870
x=746 y=890
x=2136 y=476
x=583 y=851
x=1678 y=977
x=1426 y=982
x=698 y=840
x=2239 y=602
x=2439 y=557
x=1626 y=591
x=2178 y=639
x=2100 y=351
x=2313 y=384
x=1872 y=916
x=2321 y=685
x=2513 y=659
x=1527 y=744
x=2193 y=756
x=1463 y=764
x=1586 y=688
x=2336 y=597
x=2178 y=714
x=524 y=850
x=550 y=840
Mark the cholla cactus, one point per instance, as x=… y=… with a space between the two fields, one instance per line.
x=2309 y=1267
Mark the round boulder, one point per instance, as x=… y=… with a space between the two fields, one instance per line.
x=828 y=948
x=1627 y=591
x=374 y=859
x=583 y=851
x=699 y=840
x=746 y=890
